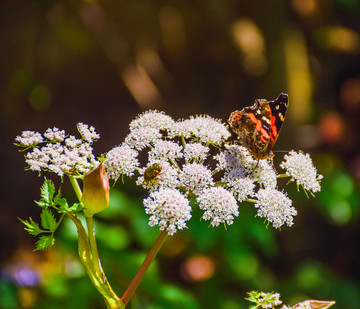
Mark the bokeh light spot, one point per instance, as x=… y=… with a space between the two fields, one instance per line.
x=39 y=98
x=331 y=126
x=340 y=211
x=350 y=94
x=304 y=7
x=199 y=268
x=250 y=41
x=337 y=38
x=343 y=185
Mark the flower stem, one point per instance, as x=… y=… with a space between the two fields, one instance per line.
x=144 y=267
x=93 y=245
x=282 y=176
x=76 y=187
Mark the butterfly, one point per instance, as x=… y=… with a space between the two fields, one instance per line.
x=258 y=126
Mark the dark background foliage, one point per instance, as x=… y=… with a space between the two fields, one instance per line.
x=103 y=62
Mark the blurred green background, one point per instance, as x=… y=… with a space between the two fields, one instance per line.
x=103 y=62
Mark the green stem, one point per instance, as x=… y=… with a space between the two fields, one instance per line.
x=144 y=267
x=93 y=245
x=251 y=201
x=76 y=187
x=282 y=176
x=111 y=299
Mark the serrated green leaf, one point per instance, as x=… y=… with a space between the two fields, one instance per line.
x=48 y=220
x=31 y=227
x=47 y=191
x=62 y=203
x=76 y=207
x=44 y=242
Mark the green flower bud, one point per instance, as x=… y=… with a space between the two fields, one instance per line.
x=96 y=190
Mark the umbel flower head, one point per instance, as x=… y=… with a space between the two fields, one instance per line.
x=301 y=169
x=55 y=152
x=193 y=157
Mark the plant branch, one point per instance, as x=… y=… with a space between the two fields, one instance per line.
x=144 y=267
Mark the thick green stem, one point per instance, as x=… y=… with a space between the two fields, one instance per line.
x=98 y=279
x=76 y=187
x=93 y=245
x=144 y=267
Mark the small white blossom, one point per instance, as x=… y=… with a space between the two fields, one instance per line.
x=203 y=128
x=195 y=177
x=54 y=134
x=72 y=142
x=275 y=206
x=243 y=157
x=142 y=137
x=195 y=151
x=166 y=178
x=219 y=205
x=121 y=160
x=165 y=150
x=154 y=119
x=241 y=188
x=169 y=209
x=37 y=160
x=88 y=134
x=265 y=174
x=29 y=138
x=300 y=168
x=226 y=161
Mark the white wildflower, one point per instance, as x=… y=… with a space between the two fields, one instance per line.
x=165 y=150
x=204 y=129
x=169 y=209
x=195 y=151
x=219 y=205
x=226 y=161
x=265 y=174
x=142 y=137
x=194 y=177
x=241 y=188
x=55 y=134
x=72 y=142
x=154 y=119
x=88 y=134
x=300 y=168
x=121 y=160
x=243 y=157
x=29 y=138
x=37 y=160
x=157 y=175
x=275 y=206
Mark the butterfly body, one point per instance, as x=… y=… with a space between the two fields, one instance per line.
x=258 y=126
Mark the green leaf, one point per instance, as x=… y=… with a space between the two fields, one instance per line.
x=44 y=242
x=76 y=207
x=62 y=203
x=47 y=192
x=31 y=227
x=47 y=220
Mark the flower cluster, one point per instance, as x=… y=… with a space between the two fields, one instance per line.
x=192 y=157
x=300 y=168
x=55 y=152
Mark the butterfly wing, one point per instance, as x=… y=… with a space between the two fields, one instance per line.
x=278 y=109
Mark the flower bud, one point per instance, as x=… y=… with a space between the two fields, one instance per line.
x=96 y=191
